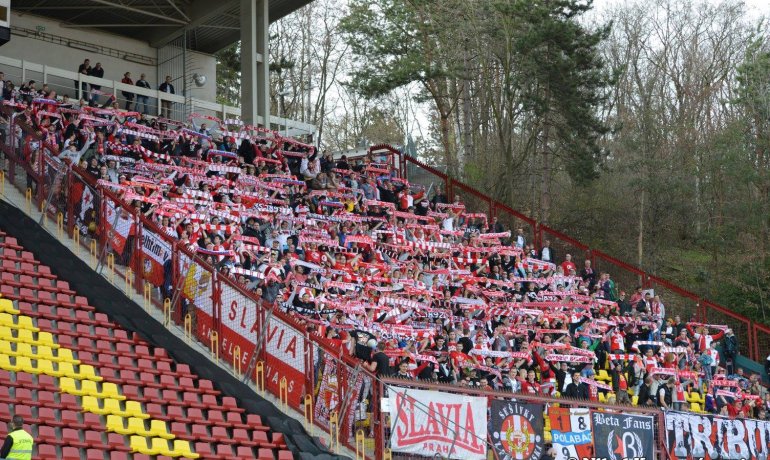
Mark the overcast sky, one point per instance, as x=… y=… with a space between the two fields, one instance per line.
x=756 y=7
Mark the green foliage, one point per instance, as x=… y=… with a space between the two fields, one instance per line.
x=229 y=75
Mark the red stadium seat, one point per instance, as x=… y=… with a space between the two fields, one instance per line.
x=230 y=404
x=241 y=436
x=224 y=451
x=201 y=433
x=244 y=452
x=196 y=416
x=71 y=419
x=47 y=434
x=49 y=417
x=117 y=442
x=192 y=400
x=219 y=433
x=94 y=438
x=95 y=454
x=265 y=454
x=235 y=420
x=71 y=437
x=46 y=451
x=70 y=453
x=92 y=421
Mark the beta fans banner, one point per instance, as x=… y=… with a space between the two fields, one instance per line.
x=516 y=430
x=696 y=436
x=571 y=433
x=432 y=422
x=621 y=436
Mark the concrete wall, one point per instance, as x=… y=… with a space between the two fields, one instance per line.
x=64 y=57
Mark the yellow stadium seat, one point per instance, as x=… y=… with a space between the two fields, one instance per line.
x=88 y=388
x=183 y=449
x=139 y=444
x=630 y=392
x=161 y=445
x=158 y=428
x=134 y=409
x=7 y=306
x=65 y=354
x=91 y=404
x=43 y=338
x=5 y=348
x=603 y=376
x=5 y=363
x=602 y=397
x=136 y=426
x=25 y=322
x=24 y=349
x=112 y=406
x=88 y=372
x=67 y=370
x=6 y=320
x=695 y=407
x=635 y=400
x=46 y=367
x=110 y=390
x=7 y=334
x=24 y=364
x=69 y=386
x=116 y=424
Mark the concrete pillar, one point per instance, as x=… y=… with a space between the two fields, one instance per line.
x=255 y=65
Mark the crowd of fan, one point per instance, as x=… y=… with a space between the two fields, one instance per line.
x=401 y=276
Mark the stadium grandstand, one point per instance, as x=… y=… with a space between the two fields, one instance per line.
x=182 y=279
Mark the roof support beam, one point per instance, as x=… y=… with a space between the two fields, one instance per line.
x=255 y=68
x=139 y=10
x=83 y=26
x=200 y=12
x=179 y=10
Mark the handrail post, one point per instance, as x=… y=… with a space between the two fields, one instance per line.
x=334 y=432
x=147 y=296
x=111 y=267
x=360 y=445
x=283 y=393
x=188 y=327
x=308 y=407
x=129 y=280
x=215 y=345
x=237 y=360
x=259 y=376
x=93 y=252
x=76 y=239
x=59 y=225
x=167 y=312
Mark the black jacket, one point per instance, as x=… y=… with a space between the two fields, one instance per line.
x=579 y=391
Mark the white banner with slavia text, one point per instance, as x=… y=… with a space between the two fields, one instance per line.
x=432 y=422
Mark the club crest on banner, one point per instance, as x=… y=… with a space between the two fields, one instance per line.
x=517 y=430
x=621 y=436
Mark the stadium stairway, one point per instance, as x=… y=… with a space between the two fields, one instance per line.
x=97 y=377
